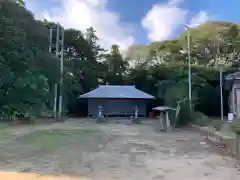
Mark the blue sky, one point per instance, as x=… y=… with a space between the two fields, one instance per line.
x=126 y=22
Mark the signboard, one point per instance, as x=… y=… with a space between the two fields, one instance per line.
x=230 y=117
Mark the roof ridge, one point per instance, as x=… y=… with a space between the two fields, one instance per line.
x=117 y=91
x=117 y=85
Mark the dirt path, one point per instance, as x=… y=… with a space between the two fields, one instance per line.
x=140 y=153
x=123 y=152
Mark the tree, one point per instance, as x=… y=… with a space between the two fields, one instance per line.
x=166 y=52
x=116 y=66
x=145 y=56
x=213 y=41
x=95 y=48
x=136 y=55
x=76 y=52
x=26 y=66
x=20 y=2
x=210 y=43
x=83 y=70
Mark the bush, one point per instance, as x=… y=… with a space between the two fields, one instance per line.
x=197 y=115
x=185 y=114
x=217 y=124
x=176 y=97
x=203 y=121
x=9 y=113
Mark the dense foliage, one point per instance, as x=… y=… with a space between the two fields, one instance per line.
x=29 y=71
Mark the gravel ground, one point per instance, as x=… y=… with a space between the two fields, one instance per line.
x=115 y=152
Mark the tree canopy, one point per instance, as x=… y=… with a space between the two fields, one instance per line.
x=209 y=43
x=27 y=69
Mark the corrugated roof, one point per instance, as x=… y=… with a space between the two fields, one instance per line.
x=111 y=91
x=163 y=108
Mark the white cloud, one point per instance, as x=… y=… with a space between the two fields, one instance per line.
x=200 y=18
x=175 y=2
x=163 y=19
x=81 y=14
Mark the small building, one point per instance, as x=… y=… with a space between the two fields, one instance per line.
x=117 y=101
x=232 y=84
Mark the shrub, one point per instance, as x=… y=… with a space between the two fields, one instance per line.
x=197 y=115
x=203 y=121
x=177 y=97
x=9 y=113
x=185 y=113
x=200 y=119
x=217 y=124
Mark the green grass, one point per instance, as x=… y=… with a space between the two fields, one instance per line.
x=4 y=132
x=52 y=140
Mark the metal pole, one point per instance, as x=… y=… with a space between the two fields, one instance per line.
x=55 y=101
x=50 y=50
x=221 y=92
x=219 y=59
x=56 y=86
x=50 y=40
x=61 y=79
x=189 y=71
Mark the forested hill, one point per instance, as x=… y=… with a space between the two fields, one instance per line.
x=208 y=42
x=29 y=71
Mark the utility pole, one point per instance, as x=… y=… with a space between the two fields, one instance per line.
x=189 y=69
x=221 y=63
x=57 y=46
x=56 y=86
x=221 y=91
x=50 y=39
x=60 y=105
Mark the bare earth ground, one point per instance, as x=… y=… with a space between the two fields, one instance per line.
x=112 y=152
